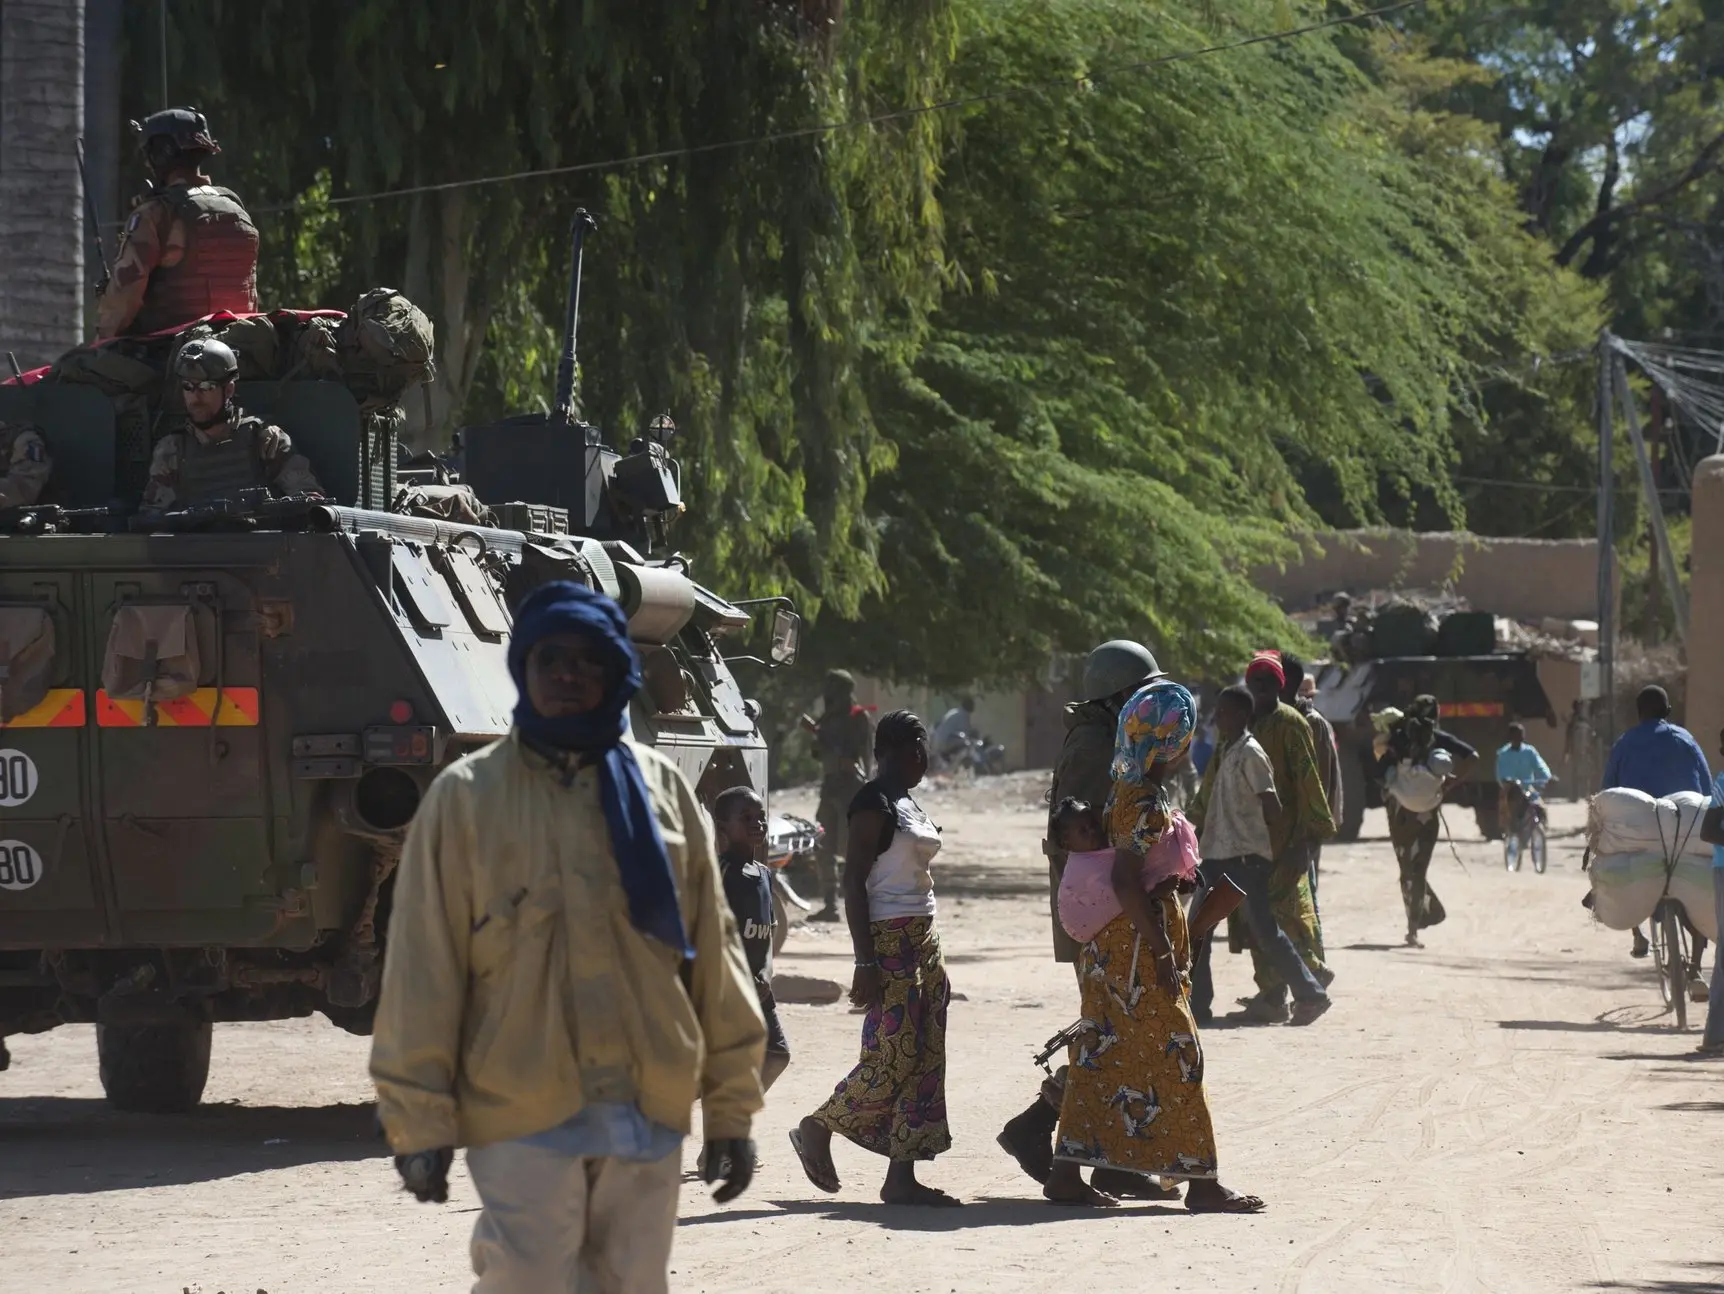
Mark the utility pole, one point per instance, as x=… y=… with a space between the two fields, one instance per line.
x=1654 y=444
x=1606 y=547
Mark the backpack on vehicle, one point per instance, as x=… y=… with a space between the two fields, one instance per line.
x=385 y=345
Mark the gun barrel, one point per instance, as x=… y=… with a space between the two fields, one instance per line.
x=94 y=219
x=565 y=405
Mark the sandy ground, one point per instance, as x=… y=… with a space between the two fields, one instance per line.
x=1508 y=1109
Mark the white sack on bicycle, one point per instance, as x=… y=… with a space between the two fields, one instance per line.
x=1626 y=889
x=1625 y=821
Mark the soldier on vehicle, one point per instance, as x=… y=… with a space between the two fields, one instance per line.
x=24 y=464
x=224 y=450
x=189 y=249
x=843 y=738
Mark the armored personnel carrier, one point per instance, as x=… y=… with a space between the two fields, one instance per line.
x=217 y=723
x=1479 y=692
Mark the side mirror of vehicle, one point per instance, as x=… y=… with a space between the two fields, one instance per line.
x=786 y=636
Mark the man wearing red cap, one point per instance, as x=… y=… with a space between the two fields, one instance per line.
x=1306 y=820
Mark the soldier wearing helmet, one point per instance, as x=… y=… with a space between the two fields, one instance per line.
x=1111 y=673
x=24 y=464
x=189 y=248
x=222 y=451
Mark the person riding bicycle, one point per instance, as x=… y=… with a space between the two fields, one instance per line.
x=1520 y=765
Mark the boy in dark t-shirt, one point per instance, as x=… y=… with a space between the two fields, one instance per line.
x=739 y=815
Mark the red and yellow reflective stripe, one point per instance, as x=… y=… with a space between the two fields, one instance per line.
x=1471 y=710
x=63 y=707
x=239 y=709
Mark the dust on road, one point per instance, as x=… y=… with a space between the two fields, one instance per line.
x=1507 y=1109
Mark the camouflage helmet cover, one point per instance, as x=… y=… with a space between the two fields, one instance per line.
x=206 y=359
x=186 y=127
x=1118 y=666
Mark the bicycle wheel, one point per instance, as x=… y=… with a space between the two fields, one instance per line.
x=1511 y=850
x=1675 y=971
x=1656 y=954
x=1536 y=846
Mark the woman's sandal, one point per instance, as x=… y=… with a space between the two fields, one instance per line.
x=1088 y=1198
x=1230 y=1202
x=822 y=1182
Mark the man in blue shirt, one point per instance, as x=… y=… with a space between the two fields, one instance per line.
x=1521 y=765
x=1659 y=758
x=1712 y=831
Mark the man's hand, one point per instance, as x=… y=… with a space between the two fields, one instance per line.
x=732 y=1159
x=426 y=1174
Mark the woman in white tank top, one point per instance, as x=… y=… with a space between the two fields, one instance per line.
x=894 y=1101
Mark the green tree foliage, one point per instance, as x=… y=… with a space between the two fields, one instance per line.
x=1181 y=293
x=975 y=384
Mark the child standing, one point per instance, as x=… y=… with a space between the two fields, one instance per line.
x=739 y=815
x=1235 y=844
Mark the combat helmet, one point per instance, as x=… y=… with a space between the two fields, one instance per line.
x=204 y=359
x=1118 y=666
x=185 y=131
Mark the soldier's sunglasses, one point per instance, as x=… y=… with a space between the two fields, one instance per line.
x=189 y=387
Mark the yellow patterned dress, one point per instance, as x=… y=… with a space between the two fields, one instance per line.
x=1134 y=1096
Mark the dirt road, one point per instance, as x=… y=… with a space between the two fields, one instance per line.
x=1506 y=1109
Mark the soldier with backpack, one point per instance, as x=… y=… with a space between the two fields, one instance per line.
x=189 y=248
x=223 y=450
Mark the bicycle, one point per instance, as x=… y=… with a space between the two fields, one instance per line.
x=1524 y=833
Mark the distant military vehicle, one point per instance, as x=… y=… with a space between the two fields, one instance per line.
x=216 y=724
x=1479 y=694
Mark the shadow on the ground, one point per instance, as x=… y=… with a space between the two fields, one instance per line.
x=1587 y=1026
x=67 y=1146
x=978 y=1213
x=1699 y=1283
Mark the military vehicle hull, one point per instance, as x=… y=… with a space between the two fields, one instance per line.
x=226 y=853
x=1478 y=696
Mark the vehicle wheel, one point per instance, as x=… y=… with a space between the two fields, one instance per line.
x=1490 y=822
x=1536 y=847
x=154 y=1068
x=1511 y=852
x=780 y=922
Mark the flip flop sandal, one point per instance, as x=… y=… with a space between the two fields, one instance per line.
x=830 y=1184
x=1232 y=1204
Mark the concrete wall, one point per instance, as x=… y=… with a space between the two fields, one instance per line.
x=1705 y=710
x=1524 y=578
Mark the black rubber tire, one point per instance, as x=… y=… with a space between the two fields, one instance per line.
x=1489 y=821
x=1676 y=964
x=154 y=1068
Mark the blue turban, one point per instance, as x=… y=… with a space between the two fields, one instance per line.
x=565 y=607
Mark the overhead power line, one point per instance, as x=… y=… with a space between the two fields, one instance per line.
x=872 y=119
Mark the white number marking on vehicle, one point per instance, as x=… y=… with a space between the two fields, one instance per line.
x=18 y=780
x=20 y=865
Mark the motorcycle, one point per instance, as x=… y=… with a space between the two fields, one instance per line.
x=790 y=842
x=975 y=754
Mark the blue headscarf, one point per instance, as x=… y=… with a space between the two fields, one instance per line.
x=564 y=607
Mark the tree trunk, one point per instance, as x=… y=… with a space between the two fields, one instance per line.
x=42 y=281
x=439 y=279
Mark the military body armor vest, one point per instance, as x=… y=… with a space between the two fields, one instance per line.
x=220 y=469
x=218 y=270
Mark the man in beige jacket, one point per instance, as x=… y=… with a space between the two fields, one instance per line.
x=564 y=979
